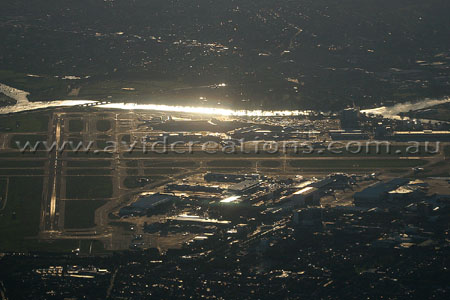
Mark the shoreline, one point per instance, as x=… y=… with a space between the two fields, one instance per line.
x=23 y=105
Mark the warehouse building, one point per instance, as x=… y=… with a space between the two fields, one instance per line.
x=244 y=187
x=306 y=196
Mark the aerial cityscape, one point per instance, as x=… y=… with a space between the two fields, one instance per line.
x=238 y=149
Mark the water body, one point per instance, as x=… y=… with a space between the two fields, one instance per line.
x=392 y=112
x=204 y=110
x=23 y=104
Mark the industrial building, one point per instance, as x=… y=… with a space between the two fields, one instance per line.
x=306 y=196
x=244 y=187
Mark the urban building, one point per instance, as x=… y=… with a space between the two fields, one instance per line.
x=145 y=203
x=306 y=196
x=308 y=217
x=349 y=118
x=244 y=187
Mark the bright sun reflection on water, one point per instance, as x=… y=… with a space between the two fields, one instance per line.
x=23 y=104
x=204 y=110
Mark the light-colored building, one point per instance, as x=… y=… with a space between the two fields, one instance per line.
x=306 y=196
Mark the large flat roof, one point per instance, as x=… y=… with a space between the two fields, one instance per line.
x=306 y=191
x=198 y=219
x=148 y=201
x=243 y=185
x=422 y=132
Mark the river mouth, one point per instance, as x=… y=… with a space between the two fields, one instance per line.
x=391 y=112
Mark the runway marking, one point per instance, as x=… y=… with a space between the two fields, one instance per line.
x=55 y=167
